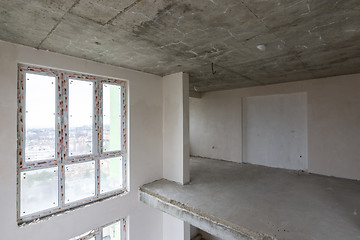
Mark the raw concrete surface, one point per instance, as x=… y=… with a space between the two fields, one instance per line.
x=283 y=204
x=250 y=42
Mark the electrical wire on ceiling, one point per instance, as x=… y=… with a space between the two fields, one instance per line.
x=212 y=68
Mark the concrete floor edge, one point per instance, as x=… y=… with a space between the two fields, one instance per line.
x=211 y=224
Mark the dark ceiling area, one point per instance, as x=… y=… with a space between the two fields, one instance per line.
x=222 y=44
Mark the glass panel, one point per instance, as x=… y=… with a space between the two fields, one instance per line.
x=40 y=117
x=80 y=117
x=79 y=181
x=111 y=117
x=112 y=232
x=110 y=174
x=39 y=190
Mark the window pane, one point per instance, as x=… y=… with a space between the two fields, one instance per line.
x=80 y=117
x=79 y=181
x=39 y=190
x=40 y=117
x=111 y=117
x=110 y=174
x=112 y=232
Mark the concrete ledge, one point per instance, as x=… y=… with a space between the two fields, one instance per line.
x=211 y=224
x=243 y=201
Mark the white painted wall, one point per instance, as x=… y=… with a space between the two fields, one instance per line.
x=175 y=229
x=145 y=151
x=275 y=130
x=176 y=127
x=333 y=123
x=215 y=129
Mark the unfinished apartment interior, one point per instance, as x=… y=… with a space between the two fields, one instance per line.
x=207 y=119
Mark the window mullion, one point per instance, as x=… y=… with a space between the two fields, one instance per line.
x=99 y=235
x=124 y=133
x=97 y=134
x=123 y=230
x=58 y=118
x=100 y=117
x=63 y=107
x=21 y=134
x=96 y=120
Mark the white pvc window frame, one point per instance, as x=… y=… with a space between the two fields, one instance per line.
x=97 y=233
x=62 y=157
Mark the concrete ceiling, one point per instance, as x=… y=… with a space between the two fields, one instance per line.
x=250 y=42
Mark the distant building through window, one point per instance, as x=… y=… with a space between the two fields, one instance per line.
x=71 y=140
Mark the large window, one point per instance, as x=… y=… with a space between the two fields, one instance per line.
x=112 y=231
x=71 y=140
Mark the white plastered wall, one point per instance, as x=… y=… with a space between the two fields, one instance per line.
x=176 y=127
x=215 y=129
x=145 y=151
x=333 y=117
x=175 y=229
x=275 y=130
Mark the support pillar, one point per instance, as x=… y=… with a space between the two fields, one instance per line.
x=176 y=151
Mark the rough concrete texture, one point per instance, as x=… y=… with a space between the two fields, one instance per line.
x=199 y=219
x=226 y=199
x=250 y=42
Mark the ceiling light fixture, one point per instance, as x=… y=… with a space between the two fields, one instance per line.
x=261 y=47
